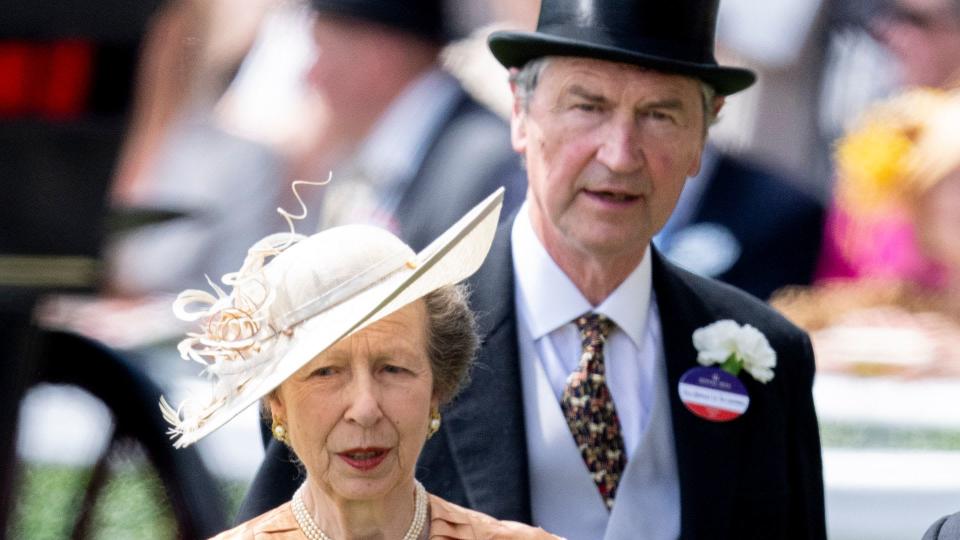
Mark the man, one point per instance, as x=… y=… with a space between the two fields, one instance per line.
x=612 y=104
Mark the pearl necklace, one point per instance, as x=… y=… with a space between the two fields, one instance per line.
x=314 y=532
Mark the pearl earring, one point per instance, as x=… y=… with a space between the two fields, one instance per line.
x=434 y=423
x=280 y=432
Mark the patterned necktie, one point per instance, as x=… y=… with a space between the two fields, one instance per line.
x=589 y=410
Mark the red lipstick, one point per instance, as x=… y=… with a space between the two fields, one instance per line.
x=364 y=459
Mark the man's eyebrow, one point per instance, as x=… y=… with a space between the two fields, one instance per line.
x=670 y=103
x=666 y=103
x=582 y=92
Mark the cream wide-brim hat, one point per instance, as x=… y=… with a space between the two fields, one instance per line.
x=312 y=294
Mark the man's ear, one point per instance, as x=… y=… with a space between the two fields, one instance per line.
x=694 y=168
x=518 y=121
x=718 y=103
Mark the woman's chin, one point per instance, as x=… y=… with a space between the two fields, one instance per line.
x=364 y=482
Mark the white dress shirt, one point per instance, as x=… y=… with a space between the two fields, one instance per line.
x=563 y=496
x=547 y=304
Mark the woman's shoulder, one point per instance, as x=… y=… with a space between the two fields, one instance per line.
x=277 y=523
x=453 y=522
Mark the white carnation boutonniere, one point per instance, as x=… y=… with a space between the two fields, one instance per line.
x=735 y=347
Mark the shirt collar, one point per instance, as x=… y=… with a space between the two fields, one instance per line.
x=549 y=300
x=398 y=142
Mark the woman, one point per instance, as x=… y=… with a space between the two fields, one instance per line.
x=353 y=341
x=888 y=299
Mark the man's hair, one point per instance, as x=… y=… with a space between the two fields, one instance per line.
x=527 y=78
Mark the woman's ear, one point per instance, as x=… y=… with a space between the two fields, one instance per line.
x=276 y=407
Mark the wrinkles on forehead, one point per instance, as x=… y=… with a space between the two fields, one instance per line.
x=612 y=84
x=401 y=335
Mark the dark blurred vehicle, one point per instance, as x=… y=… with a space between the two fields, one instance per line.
x=67 y=69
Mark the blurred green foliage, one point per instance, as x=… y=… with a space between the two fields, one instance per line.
x=838 y=435
x=131 y=504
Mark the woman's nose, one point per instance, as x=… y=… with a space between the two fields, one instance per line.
x=364 y=407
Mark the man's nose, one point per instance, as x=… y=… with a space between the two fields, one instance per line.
x=620 y=150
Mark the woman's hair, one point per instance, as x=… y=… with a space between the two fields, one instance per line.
x=452 y=343
x=452 y=339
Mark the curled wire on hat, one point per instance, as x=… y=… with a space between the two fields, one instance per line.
x=233 y=322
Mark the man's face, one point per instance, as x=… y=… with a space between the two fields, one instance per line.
x=608 y=148
x=924 y=36
x=347 y=71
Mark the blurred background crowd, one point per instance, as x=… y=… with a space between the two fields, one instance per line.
x=146 y=144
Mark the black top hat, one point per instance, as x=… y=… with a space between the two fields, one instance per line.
x=675 y=37
x=423 y=18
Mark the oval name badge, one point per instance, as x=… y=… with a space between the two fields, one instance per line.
x=713 y=394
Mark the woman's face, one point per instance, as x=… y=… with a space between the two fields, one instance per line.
x=938 y=221
x=924 y=36
x=358 y=414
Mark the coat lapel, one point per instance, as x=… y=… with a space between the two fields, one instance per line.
x=707 y=452
x=484 y=427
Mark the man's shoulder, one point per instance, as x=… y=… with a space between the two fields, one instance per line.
x=945 y=528
x=723 y=301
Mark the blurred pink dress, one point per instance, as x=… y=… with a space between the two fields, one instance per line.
x=884 y=248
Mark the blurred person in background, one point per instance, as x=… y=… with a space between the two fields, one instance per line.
x=223 y=118
x=316 y=94
x=889 y=297
x=418 y=150
x=924 y=38
x=775 y=244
